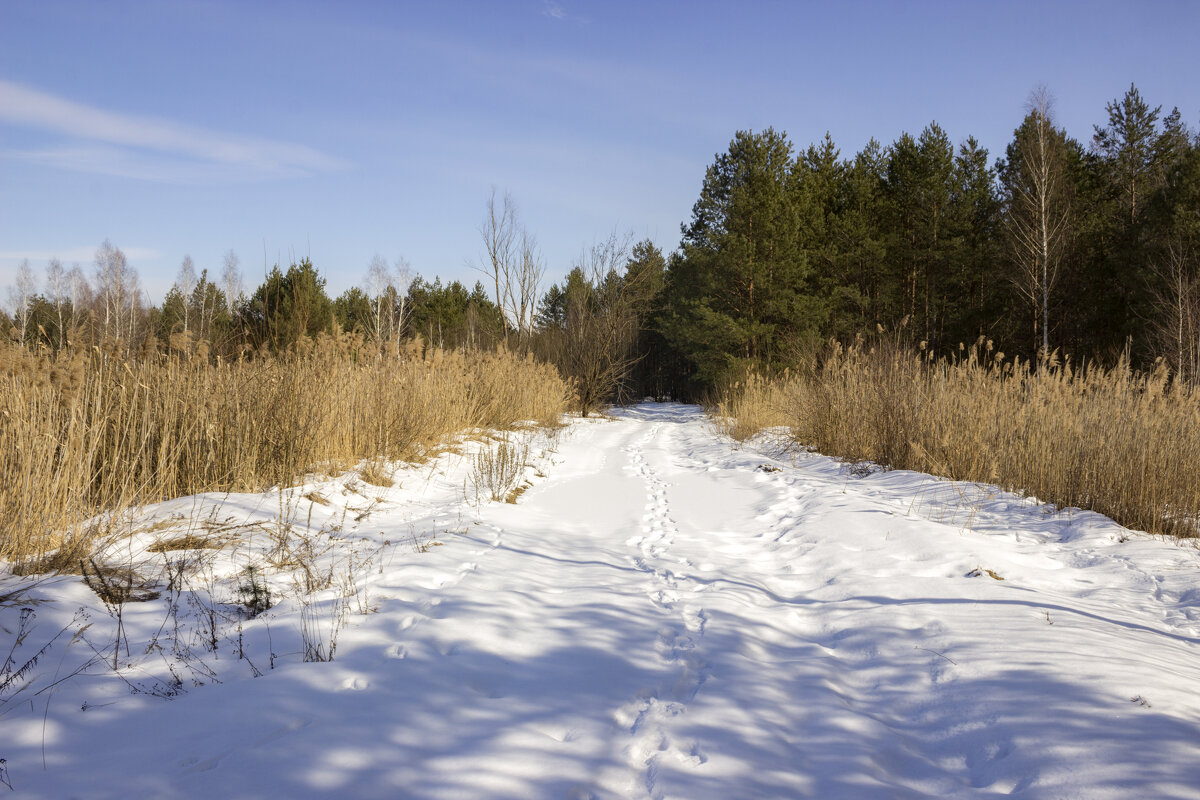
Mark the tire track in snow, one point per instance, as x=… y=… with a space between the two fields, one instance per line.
x=648 y=716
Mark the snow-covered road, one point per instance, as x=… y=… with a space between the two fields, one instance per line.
x=666 y=615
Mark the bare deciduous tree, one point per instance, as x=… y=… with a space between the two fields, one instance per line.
x=137 y=301
x=528 y=281
x=499 y=233
x=1177 y=326
x=514 y=266
x=112 y=284
x=379 y=280
x=185 y=281
x=1039 y=211
x=596 y=344
x=387 y=289
x=231 y=279
x=20 y=294
x=401 y=278
x=57 y=289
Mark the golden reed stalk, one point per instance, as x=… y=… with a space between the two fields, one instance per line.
x=1122 y=443
x=83 y=432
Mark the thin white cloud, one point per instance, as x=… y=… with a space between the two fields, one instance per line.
x=122 y=162
x=555 y=10
x=84 y=254
x=146 y=147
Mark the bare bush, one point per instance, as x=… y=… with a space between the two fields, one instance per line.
x=496 y=471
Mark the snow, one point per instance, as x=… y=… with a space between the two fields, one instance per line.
x=662 y=614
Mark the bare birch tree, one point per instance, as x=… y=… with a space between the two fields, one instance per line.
x=499 y=233
x=111 y=284
x=133 y=290
x=514 y=266
x=56 y=289
x=524 y=296
x=1038 y=212
x=379 y=279
x=1177 y=325
x=185 y=281
x=387 y=290
x=401 y=279
x=231 y=280
x=20 y=294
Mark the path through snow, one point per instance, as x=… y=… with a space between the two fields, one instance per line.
x=668 y=616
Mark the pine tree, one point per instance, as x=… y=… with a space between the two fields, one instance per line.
x=975 y=281
x=1128 y=145
x=355 y=312
x=739 y=290
x=1127 y=161
x=287 y=307
x=819 y=178
x=868 y=293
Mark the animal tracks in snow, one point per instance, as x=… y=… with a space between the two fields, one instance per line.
x=648 y=718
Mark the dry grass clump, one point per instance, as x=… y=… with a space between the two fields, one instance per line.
x=67 y=559
x=187 y=541
x=84 y=432
x=375 y=473
x=116 y=585
x=496 y=470
x=1122 y=443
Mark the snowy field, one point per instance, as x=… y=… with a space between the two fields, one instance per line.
x=661 y=614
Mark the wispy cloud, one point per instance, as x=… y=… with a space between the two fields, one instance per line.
x=146 y=147
x=82 y=254
x=555 y=10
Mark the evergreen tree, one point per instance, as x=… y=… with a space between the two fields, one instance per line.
x=645 y=279
x=552 y=309
x=355 y=312
x=868 y=292
x=976 y=286
x=739 y=291
x=1129 y=147
x=920 y=183
x=287 y=307
x=208 y=305
x=170 y=315
x=1173 y=243
x=1128 y=168
x=818 y=178
x=451 y=317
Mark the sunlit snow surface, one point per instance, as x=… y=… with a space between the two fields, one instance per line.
x=662 y=614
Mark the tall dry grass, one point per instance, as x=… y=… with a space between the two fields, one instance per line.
x=1122 y=443
x=83 y=433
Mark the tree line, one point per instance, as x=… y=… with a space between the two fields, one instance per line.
x=1089 y=251
x=589 y=329
x=109 y=310
x=1056 y=246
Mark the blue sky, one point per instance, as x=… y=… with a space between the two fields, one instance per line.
x=339 y=130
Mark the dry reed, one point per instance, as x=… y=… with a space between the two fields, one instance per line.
x=84 y=433
x=1122 y=443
